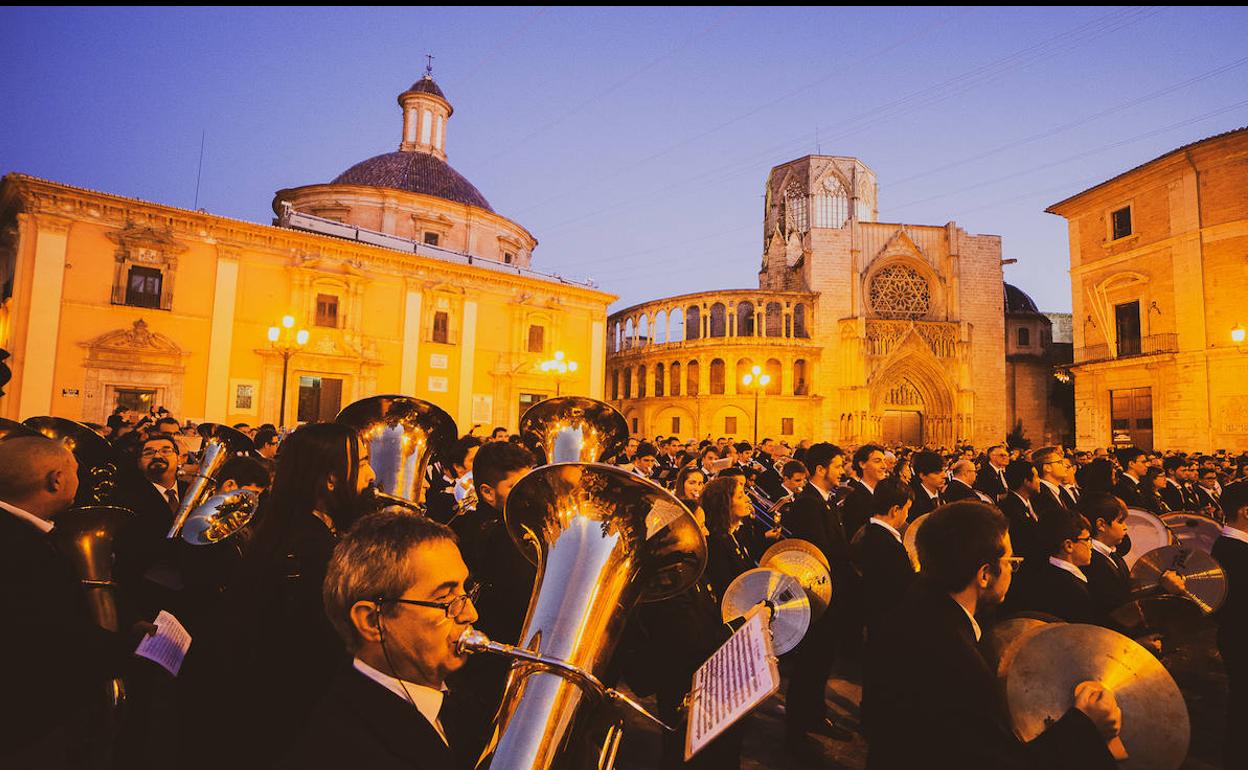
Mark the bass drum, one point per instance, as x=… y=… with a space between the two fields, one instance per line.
x=1193 y=530
x=1147 y=532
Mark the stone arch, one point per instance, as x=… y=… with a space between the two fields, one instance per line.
x=774 y=319
x=717 y=377
x=914 y=373
x=692 y=372
x=801 y=328
x=774 y=370
x=745 y=318
x=628 y=382
x=744 y=367
x=660 y=381
x=643 y=330
x=693 y=322
x=674 y=372
x=628 y=333
x=801 y=377
x=719 y=320
x=659 y=333
x=641 y=381
x=663 y=421
x=675 y=325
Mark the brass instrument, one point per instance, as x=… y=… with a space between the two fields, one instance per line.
x=465 y=496
x=602 y=540
x=220 y=516
x=97 y=461
x=379 y=500
x=570 y=429
x=220 y=443
x=14 y=429
x=402 y=435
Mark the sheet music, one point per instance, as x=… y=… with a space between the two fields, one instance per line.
x=167 y=647
x=739 y=676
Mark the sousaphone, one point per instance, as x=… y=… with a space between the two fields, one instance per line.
x=569 y=429
x=402 y=434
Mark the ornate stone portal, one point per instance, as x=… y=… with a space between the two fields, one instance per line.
x=134 y=359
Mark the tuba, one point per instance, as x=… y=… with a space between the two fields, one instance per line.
x=602 y=540
x=569 y=429
x=97 y=460
x=220 y=444
x=402 y=435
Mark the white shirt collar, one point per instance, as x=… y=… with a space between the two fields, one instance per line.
x=1055 y=489
x=1128 y=475
x=889 y=527
x=1231 y=532
x=930 y=494
x=819 y=489
x=870 y=487
x=1072 y=569
x=1104 y=549
x=28 y=517
x=427 y=700
x=1030 y=511
x=970 y=617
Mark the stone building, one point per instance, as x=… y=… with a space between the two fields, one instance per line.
x=406 y=278
x=871 y=330
x=1159 y=272
x=1039 y=402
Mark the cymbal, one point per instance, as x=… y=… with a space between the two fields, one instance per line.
x=1147 y=531
x=794 y=558
x=1004 y=637
x=1206 y=582
x=909 y=539
x=1193 y=529
x=1176 y=618
x=792 y=618
x=1040 y=687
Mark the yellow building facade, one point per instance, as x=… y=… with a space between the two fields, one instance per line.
x=405 y=277
x=1159 y=271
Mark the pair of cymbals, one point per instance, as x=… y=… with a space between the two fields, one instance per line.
x=1206 y=582
x=805 y=563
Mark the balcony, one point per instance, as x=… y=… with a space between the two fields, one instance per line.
x=1129 y=348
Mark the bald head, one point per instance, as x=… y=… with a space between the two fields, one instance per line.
x=38 y=475
x=964 y=471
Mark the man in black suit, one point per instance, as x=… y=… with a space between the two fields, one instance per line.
x=1058 y=586
x=399 y=595
x=1017 y=506
x=1054 y=471
x=880 y=555
x=1175 y=493
x=991 y=479
x=1109 y=578
x=1134 y=463
x=857 y=504
x=54 y=661
x=1231 y=551
x=961 y=484
x=814 y=517
x=930 y=698
x=929 y=482
x=1208 y=492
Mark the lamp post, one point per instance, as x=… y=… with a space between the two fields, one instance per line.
x=558 y=367
x=287 y=341
x=756 y=380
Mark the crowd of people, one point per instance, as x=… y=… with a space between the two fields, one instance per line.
x=325 y=631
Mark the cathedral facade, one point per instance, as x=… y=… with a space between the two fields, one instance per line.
x=866 y=330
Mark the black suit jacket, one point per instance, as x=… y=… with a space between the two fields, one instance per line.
x=1109 y=584
x=1024 y=535
x=361 y=724
x=923 y=503
x=885 y=567
x=1043 y=587
x=1205 y=497
x=1046 y=501
x=936 y=704
x=857 y=505
x=989 y=482
x=955 y=490
x=819 y=523
x=1129 y=492
x=1175 y=497
x=1232 y=618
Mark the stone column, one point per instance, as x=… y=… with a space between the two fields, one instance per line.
x=47 y=281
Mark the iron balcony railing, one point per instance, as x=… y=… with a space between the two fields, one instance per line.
x=1128 y=347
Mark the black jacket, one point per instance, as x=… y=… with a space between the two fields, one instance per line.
x=990 y=482
x=1109 y=584
x=1024 y=534
x=1232 y=617
x=1129 y=492
x=857 y=505
x=955 y=490
x=819 y=522
x=885 y=567
x=923 y=503
x=1047 y=501
x=936 y=704
x=1044 y=587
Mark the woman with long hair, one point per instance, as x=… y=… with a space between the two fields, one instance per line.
x=726 y=506
x=690 y=482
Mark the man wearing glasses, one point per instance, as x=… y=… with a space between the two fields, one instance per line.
x=1055 y=472
x=935 y=703
x=1059 y=586
x=399 y=595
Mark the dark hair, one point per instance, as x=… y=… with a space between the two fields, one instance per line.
x=1173 y=463
x=458 y=452
x=496 y=460
x=264 y=437
x=716 y=503
x=890 y=493
x=645 y=449
x=1043 y=456
x=1101 y=506
x=863 y=453
x=1129 y=455
x=791 y=468
x=496 y=430
x=1059 y=525
x=167 y=421
x=1096 y=476
x=959 y=538
x=1017 y=473
x=244 y=471
x=742 y=446
x=821 y=455
x=159 y=437
x=1234 y=497
x=927 y=462
x=683 y=476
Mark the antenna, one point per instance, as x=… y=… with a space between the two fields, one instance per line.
x=200 y=172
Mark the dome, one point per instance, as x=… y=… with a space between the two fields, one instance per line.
x=427 y=86
x=1017 y=301
x=416 y=172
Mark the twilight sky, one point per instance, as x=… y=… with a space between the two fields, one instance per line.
x=633 y=143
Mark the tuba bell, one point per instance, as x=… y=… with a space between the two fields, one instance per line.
x=402 y=435
x=220 y=444
x=97 y=460
x=569 y=429
x=602 y=540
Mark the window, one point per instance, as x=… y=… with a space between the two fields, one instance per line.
x=441 y=326
x=730 y=425
x=1127 y=316
x=899 y=291
x=799 y=321
x=693 y=322
x=1024 y=337
x=628 y=383
x=320 y=399
x=831 y=205
x=786 y=426
x=719 y=320
x=327 y=310
x=143 y=287
x=1120 y=223
x=675 y=377
x=774 y=319
x=799 y=377
x=537 y=338
x=772 y=369
x=508 y=257
x=675 y=425
x=745 y=319
x=691 y=379
x=795 y=207
x=717 y=378
x=431 y=239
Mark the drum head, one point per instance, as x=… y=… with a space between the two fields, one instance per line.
x=1193 y=529
x=1147 y=531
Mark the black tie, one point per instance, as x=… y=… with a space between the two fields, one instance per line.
x=171 y=495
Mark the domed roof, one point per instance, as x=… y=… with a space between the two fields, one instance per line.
x=426 y=85
x=417 y=172
x=1017 y=301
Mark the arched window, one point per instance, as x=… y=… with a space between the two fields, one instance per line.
x=693 y=322
x=643 y=330
x=676 y=326
x=774 y=371
x=719 y=320
x=744 y=365
x=799 y=321
x=675 y=378
x=628 y=334
x=1024 y=337
x=831 y=204
x=615 y=385
x=691 y=379
x=800 y=388
x=795 y=207
x=660 y=327
x=717 y=377
x=641 y=381
x=628 y=383
x=774 y=321
x=745 y=319
x=658 y=379
x=899 y=291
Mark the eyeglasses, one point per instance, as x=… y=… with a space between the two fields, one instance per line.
x=1087 y=539
x=1015 y=562
x=161 y=451
x=453 y=609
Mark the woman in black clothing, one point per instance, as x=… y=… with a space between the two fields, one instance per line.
x=725 y=505
x=1150 y=489
x=689 y=485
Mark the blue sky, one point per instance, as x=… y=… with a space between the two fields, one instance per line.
x=633 y=143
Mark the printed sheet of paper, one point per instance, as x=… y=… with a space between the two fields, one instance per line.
x=167 y=647
x=739 y=676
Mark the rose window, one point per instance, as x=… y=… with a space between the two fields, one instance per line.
x=898 y=291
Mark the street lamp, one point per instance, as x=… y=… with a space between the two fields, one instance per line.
x=756 y=380
x=287 y=341
x=1237 y=334
x=558 y=367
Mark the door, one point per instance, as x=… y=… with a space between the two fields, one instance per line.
x=1131 y=417
x=320 y=399
x=902 y=427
